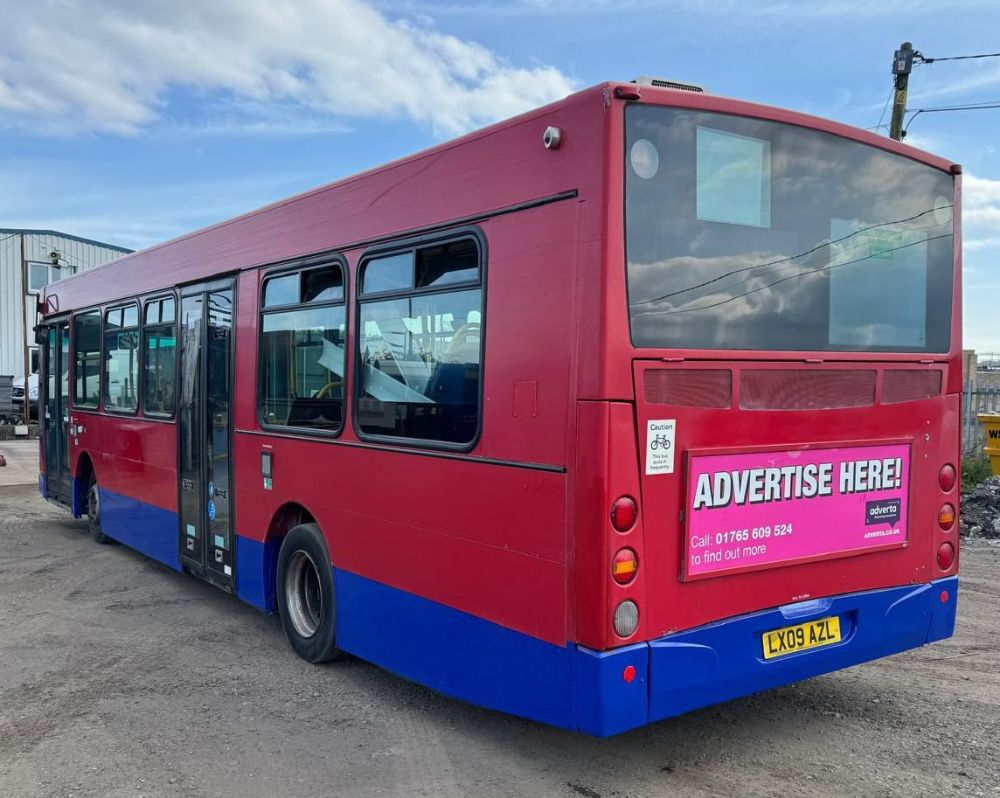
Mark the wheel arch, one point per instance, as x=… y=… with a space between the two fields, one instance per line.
x=288 y=516
x=81 y=482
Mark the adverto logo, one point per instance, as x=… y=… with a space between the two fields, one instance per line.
x=882 y=511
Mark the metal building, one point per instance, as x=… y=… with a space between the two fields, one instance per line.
x=37 y=257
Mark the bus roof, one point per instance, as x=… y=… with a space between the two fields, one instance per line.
x=473 y=176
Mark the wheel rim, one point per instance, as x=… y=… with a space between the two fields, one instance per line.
x=304 y=595
x=94 y=507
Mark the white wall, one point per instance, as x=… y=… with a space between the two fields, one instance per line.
x=14 y=309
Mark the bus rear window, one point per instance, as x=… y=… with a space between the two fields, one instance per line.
x=748 y=234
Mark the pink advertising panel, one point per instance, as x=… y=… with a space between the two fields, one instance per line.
x=754 y=509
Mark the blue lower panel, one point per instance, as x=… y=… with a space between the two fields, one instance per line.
x=603 y=693
x=140 y=526
x=255 y=570
x=78 y=496
x=454 y=652
x=43 y=486
x=722 y=661
x=153 y=531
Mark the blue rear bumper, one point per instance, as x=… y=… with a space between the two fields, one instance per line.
x=725 y=660
x=577 y=688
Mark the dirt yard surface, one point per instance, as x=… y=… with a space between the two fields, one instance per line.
x=119 y=677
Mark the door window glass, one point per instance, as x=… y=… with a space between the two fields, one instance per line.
x=161 y=372
x=159 y=335
x=87 y=359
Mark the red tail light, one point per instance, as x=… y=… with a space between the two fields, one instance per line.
x=946 y=517
x=945 y=556
x=624 y=513
x=624 y=566
x=946 y=477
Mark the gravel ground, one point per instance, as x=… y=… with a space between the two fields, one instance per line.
x=119 y=677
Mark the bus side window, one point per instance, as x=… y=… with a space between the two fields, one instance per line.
x=302 y=357
x=121 y=359
x=420 y=343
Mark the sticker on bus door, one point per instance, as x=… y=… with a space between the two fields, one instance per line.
x=660 y=446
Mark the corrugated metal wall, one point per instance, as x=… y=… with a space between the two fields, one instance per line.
x=75 y=255
x=10 y=291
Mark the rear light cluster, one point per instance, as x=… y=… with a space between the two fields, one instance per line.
x=626 y=618
x=946 y=517
x=625 y=565
x=624 y=513
x=946 y=478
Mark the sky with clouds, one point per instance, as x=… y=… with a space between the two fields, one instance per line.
x=134 y=121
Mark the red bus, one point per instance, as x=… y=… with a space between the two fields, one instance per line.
x=637 y=402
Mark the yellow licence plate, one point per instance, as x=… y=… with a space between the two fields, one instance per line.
x=801 y=637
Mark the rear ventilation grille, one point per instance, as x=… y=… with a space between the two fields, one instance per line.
x=688 y=387
x=806 y=389
x=910 y=385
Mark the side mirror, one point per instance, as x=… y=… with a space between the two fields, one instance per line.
x=41 y=335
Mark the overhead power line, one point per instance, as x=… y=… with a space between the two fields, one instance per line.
x=984 y=106
x=958 y=107
x=892 y=89
x=923 y=59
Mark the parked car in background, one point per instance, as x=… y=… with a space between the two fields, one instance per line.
x=18 y=395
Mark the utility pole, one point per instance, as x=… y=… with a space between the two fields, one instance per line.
x=24 y=330
x=902 y=65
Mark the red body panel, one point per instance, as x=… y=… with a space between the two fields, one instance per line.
x=930 y=425
x=516 y=531
x=134 y=456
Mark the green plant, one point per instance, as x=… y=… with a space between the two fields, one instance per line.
x=975 y=469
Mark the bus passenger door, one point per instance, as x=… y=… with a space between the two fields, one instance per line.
x=205 y=536
x=55 y=413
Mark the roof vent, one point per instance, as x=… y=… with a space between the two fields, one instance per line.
x=663 y=83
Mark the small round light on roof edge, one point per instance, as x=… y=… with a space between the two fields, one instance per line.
x=552 y=137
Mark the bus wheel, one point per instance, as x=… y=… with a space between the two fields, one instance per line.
x=94 y=512
x=305 y=595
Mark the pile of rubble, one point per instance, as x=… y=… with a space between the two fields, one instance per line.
x=980 y=510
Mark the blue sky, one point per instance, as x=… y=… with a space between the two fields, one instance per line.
x=134 y=122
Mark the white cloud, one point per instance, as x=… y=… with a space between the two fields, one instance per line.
x=980 y=213
x=69 y=66
x=975 y=244
x=980 y=191
x=980 y=203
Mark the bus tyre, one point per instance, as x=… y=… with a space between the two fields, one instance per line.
x=94 y=513
x=306 y=601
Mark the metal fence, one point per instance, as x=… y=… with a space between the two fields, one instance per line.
x=977 y=399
